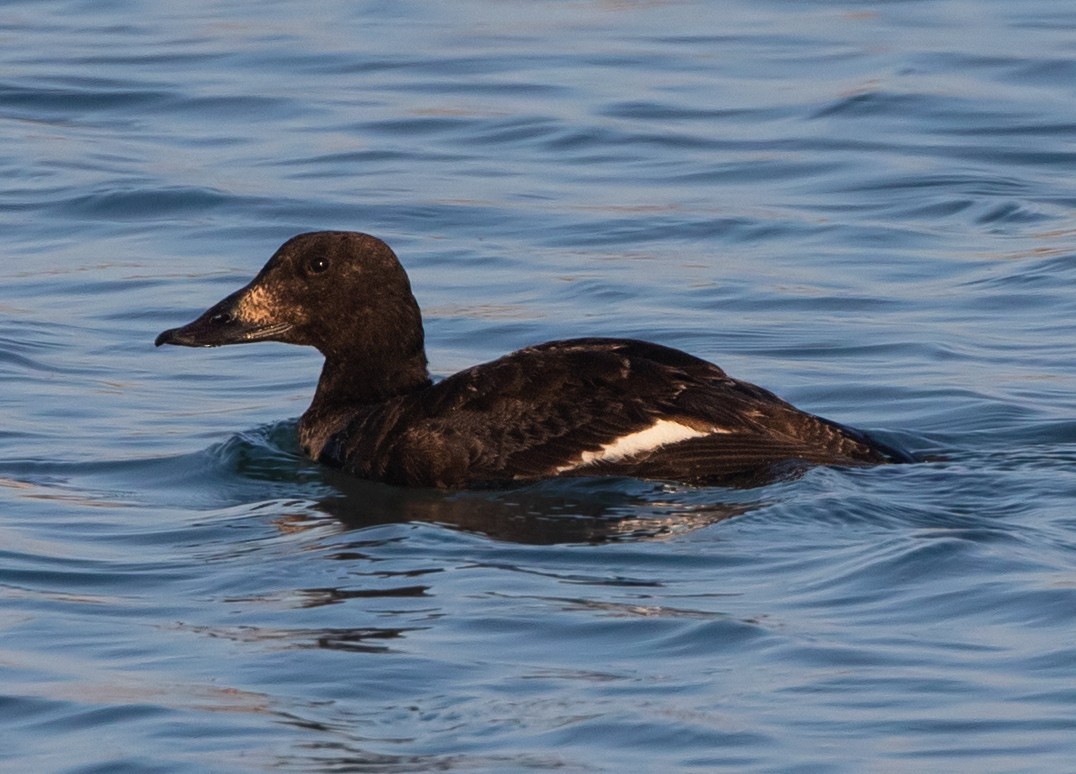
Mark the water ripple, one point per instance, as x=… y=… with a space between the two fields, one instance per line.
x=867 y=210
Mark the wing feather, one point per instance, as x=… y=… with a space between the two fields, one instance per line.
x=535 y=412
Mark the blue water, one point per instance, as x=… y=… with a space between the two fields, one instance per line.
x=869 y=208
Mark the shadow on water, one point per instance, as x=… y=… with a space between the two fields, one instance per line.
x=545 y=513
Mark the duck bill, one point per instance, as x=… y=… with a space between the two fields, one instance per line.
x=233 y=320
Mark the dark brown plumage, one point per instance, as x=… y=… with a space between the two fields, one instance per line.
x=590 y=406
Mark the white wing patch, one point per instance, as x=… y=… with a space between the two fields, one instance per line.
x=662 y=433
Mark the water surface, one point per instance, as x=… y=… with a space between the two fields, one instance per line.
x=867 y=208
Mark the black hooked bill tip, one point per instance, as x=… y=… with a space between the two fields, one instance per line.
x=177 y=336
x=218 y=325
x=194 y=334
x=165 y=337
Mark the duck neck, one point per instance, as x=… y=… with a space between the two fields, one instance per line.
x=378 y=353
x=364 y=379
x=347 y=386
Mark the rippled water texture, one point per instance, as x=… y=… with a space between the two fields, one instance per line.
x=865 y=207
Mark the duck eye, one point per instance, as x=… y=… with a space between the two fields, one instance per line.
x=318 y=265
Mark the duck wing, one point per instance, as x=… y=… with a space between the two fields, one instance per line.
x=589 y=407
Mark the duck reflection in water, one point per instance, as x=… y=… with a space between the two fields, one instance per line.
x=547 y=513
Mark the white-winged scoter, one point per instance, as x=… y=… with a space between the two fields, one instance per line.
x=579 y=407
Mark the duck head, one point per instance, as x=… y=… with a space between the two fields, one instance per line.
x=339 y=291
x=344 y=293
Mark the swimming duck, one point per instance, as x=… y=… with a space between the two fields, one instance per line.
x=578 y=407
